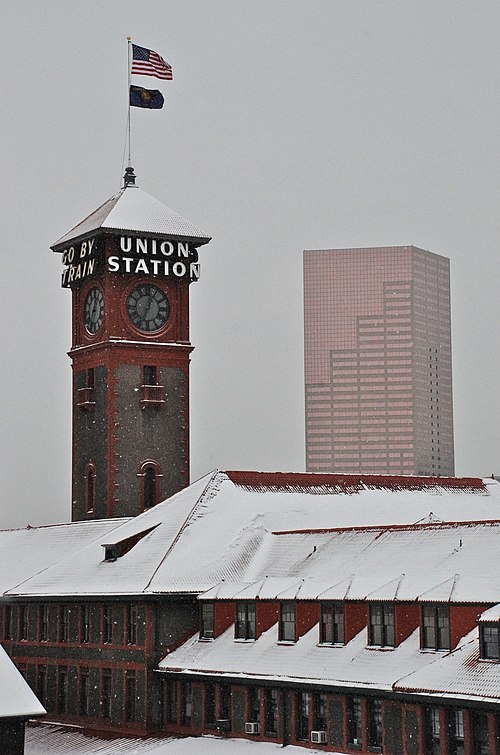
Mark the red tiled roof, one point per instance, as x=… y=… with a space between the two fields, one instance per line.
x=349 y=483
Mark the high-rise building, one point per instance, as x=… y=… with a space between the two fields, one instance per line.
x=378 y=383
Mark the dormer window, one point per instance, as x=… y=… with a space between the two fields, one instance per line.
x=245 y=620
x=332 y=624
x=287 y=621
x=436 y=627
x=113 y=551
x=489 y=635
x=207 y=620
x=381 y=625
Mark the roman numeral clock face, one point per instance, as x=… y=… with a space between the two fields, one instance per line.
x=148 y=308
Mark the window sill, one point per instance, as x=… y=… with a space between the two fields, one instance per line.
x=206 y=639
x=381 y=647
x=287 y=642
x=243 y=640
x=330 y=645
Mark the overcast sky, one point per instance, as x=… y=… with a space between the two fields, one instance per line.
x=289 y=125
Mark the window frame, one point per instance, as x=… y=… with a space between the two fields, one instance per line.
x=23 y=622
x=90 y=478
x=131 y=695
x=288 y=626
x=207 y=619
x=84 y=691
x=374 y=721
x=334 y=627
x=63 y=628
x=150 y=491
x=107 y=624
x=43 y=623
x=131 y=624
x=245 y=628
x=106 y=693
x=354 y=721
x=271 y=712
x=62 y=689
x=387 y=628
x=84 y=624
x=483 y=644
x=433 y=611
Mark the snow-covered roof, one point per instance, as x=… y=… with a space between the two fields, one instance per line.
x=30 y=551
x=303 y=532
x=458 y=674
x=353 y=664
x=133 y=210
x=16 y=697
x=491 y=614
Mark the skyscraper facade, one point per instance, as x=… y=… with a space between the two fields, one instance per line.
x=378 y=382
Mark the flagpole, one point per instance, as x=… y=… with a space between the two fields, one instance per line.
x=129 y=40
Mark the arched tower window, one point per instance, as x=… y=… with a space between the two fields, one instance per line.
x=89 y=488
x=150 y=475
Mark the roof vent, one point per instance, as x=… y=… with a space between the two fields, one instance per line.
x=129 y=177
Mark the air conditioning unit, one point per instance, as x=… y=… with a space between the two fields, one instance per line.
x=318 y=737
x=223 y=724
x=252 y=727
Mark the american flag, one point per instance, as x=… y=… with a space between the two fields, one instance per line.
x=149 y=63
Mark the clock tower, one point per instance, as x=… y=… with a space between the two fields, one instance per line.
x=129 y=266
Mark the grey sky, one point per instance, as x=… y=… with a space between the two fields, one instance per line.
x=288 y=125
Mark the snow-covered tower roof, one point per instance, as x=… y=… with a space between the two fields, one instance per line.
x=132 y=210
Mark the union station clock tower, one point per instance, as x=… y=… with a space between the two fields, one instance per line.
x=129 y=266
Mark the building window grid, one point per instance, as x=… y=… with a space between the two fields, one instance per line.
x=107 y=625
x=23 y=622
x=375 y=723
x=85 y=623
x=43 y=627
x=63 y=623
x=303 y=715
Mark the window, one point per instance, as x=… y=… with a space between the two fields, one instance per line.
x=130 y=695
x=107 y=624
x=84 y=623
x=374 y=723
x=381 y=630
x=319 y=711
x=150 y=475
x=210 y=706
x=84 y=692
x=150 y=374
x=89 y=488
x=106 y=693
x=254 y=704
x=456 y=728
x=152 y=392
x=490 y=641
x=131 y=625
x=332 y=624
x=480 y=736
x=207 y=620
x=7 y=623
x=41 y=683
x=433 y=731
x=23 y=622
x=303 y=715
x=270 y=709
x=436 y=627
x=354 y=722
x=43 y=623
x=172 y=701
x=186 y=703
x=63 y=623
x=245 y=620
x=62 y=690
x=225 y=702
x=287 y=621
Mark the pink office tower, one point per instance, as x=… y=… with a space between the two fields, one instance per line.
x=378 y=361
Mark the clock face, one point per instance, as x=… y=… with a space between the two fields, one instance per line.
x=94 y=310
x=148 y=308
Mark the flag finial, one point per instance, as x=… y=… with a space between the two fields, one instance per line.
x=129 y=177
